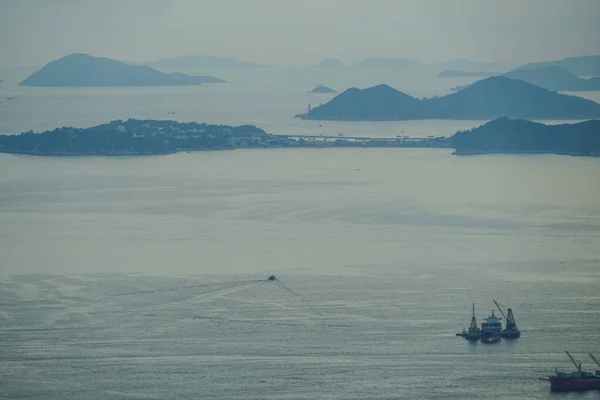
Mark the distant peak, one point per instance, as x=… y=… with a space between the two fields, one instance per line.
x=79 y=55
x=381 y=87
x=498 y=80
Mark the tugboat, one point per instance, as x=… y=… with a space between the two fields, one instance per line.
x=576 y=380
x=511 y=331
x=491 y=329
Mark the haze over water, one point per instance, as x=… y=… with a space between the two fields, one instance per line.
x=128 y=277
x=146 y=277
x=138 y=276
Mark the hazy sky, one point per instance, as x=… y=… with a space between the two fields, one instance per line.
x=33 y=32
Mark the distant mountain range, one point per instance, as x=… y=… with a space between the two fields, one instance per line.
x=553 y=77
x=580 y=66
x=469 y=65
x=398 y=63
x=550 y=77
x=323 y=89
x=505 y=135
x=381 y=63
x=332 y=63
x=84 y=70
x=453 y=73
x=203 y=62
x=486 y=99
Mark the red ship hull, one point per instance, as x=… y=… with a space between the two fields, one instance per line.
x=565 y=384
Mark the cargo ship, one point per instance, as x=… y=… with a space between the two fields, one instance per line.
x=491 y=329
x=576 y=380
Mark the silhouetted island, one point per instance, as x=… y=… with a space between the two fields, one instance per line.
x=506 y=135
x=554 y=77
x=454 y=73
x=580 y=66
x=82 y=70
x=485 y=99
x=386 y=63
x=323 y=89
x=331 y=63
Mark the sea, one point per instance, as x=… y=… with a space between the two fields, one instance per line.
x=148 y=277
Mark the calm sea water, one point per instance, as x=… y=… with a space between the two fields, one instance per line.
x=145 y=277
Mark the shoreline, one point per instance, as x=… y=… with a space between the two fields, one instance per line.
x=479 y=152
x=456 y=152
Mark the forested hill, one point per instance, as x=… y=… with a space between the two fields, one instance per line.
x=506 y=135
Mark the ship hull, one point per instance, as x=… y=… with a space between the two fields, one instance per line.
x=511 y=334
x=490 y=339
x=472 y=337
x=572 y=384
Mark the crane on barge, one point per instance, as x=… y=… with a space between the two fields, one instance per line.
x=578 y=366
x=576 y=380
x=511 y=331
x=597 y=363
x=473 y=334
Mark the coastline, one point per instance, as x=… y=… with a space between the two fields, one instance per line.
x=292 y=142
x=481 y=152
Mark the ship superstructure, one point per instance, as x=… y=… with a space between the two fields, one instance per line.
x=491 y=329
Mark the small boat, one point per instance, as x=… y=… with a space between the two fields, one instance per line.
x=10 y=98
x=491 y=329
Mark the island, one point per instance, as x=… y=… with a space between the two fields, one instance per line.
x=203 y=62
x=467 y=65
x=151 y=137
x=455 y=73
x=331 y=63
x=83 y=70
x=135 y=137
x=490 y=98
x=387 y=63
x=323 y=89
x=580 y=66
x=553 y=77
x=506 y=135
